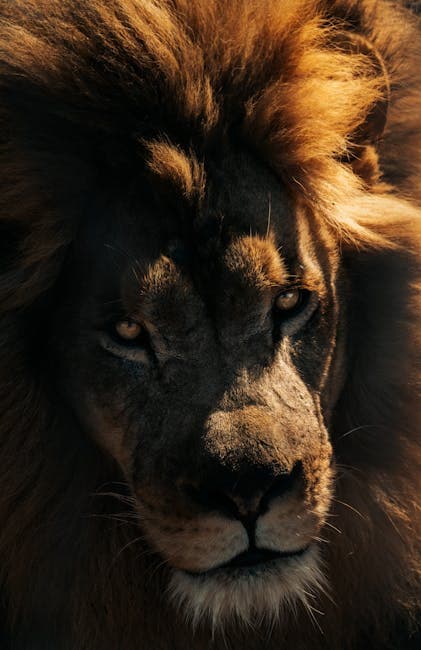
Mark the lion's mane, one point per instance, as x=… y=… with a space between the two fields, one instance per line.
x=84 y=87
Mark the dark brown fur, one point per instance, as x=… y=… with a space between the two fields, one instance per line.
x=97 y=97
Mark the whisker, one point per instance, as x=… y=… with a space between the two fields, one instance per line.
x=359 y=428
x=350 y=469
x=126 y=546
x=156 y=569
x=327 y=523
x=321 y=539
x=311 y=612
x=269 y=215
x=347 y=505
x=116 y=495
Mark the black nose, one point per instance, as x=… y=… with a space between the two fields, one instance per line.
x=244 y=495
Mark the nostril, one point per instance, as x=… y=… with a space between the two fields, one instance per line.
x=237 y=502
x=211 y=499
x=284 y=483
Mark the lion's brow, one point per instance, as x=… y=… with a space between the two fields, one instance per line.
x=176 y=167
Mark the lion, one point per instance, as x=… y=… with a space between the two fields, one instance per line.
x=210 y=316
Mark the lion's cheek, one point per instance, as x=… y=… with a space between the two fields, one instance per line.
x=287 y=526
x=103 y=428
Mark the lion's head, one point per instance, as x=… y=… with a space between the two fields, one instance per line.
x=206 y=357
x=208 y=294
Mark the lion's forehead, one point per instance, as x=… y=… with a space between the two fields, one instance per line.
x=244 y=243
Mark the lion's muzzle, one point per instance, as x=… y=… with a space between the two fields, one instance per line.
x=245 y=496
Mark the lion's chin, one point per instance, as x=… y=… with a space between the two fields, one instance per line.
x=248 y=595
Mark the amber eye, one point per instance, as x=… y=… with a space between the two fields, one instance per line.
x=127 y=330
x=288 y=300
x=127 y=339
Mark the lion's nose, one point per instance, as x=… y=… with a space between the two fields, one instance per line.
x=243 y=495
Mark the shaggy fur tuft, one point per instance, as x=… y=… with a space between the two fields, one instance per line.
x=256 y=601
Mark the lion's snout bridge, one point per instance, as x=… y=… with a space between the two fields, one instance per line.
x=240 y=464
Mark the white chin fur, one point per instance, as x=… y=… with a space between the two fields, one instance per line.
x=248 y=597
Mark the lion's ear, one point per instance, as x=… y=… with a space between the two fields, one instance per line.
x=363 y=155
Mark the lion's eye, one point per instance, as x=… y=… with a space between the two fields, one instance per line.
x=292 y=309
x=288 y=300
x=127 y=339
x=127 y=330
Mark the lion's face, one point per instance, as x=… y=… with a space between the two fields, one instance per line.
x=202 y=355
